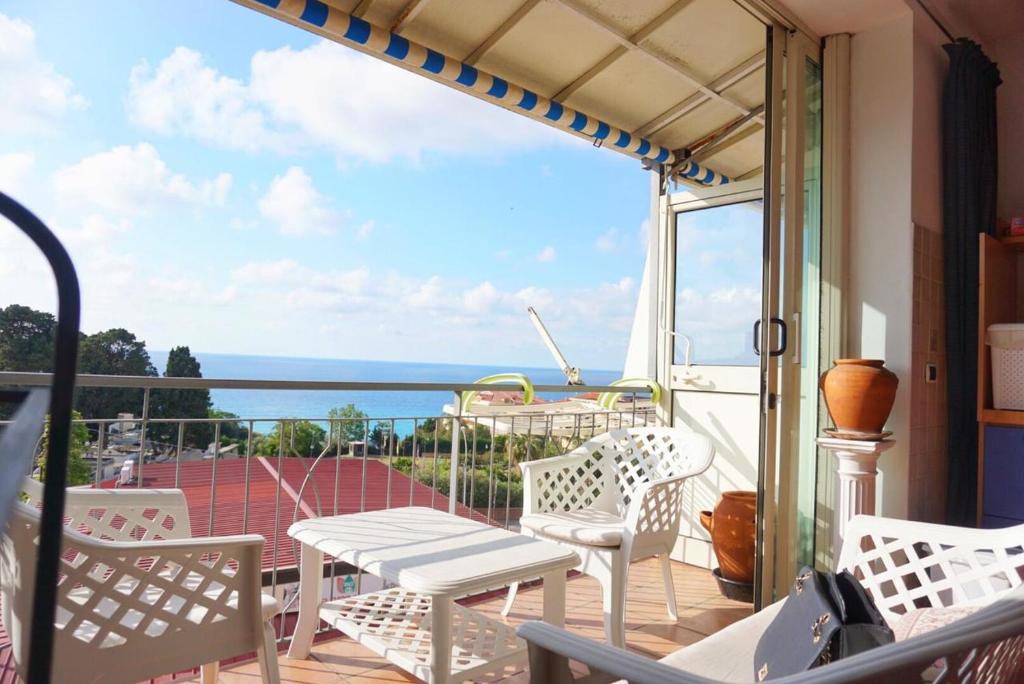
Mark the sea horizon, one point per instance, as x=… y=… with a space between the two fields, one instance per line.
x=315 y=404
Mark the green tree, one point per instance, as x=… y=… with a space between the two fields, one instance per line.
x=301 y=438
x=26 y=339
x=181 y=403
x=348 y=424
x=26 y=343
x=112 y=352
x=230 y=431
x=78 y=472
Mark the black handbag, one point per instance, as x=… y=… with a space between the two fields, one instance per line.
x=827 y=616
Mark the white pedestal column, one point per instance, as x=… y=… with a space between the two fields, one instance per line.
x=856 y=465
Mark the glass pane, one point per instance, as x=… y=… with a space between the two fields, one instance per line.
x=718 y=283
x=810 y=306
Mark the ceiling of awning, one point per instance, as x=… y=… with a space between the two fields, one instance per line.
x=685 y=75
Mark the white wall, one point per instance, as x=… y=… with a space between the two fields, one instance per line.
x=1008 y=53
x=930 y=67
x=881 y=228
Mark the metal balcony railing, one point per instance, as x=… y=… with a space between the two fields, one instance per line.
x=259 y=474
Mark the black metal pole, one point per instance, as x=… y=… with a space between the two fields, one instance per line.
x=44 y=601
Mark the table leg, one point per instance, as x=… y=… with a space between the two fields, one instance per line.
x=440 y=639
x=311 y=575
x=554 y=598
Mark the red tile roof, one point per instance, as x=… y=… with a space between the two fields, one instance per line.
x=334 y=487
x=331 y=487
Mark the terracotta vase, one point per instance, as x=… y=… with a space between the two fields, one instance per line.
x=859 y=394
x=733 y=528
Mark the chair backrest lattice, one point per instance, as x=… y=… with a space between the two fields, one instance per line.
x=580 y=486
x=120 y=515
x=134 y=600
x=639 y=456
x=605 y=472
x=938 y=566
x=659 y=508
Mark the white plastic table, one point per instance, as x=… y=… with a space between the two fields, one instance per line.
x=434 y=557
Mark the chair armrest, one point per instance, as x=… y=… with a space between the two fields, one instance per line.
x=233 y=541
x=548 y=643
x=545 y=483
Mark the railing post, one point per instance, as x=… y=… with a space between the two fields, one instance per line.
x=101 y=439
x=453 y=475
x=142 y=434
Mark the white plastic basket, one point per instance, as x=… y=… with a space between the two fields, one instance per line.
x=1007 y=343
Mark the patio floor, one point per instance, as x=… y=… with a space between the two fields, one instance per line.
x=702 y=611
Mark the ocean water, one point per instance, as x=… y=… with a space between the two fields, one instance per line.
x=314 y=404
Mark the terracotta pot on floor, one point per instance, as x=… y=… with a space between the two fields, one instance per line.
x=859 y=394
x=733 y=527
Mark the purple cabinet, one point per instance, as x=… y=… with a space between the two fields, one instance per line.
x=1004 y=477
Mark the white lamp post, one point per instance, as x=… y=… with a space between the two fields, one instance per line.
x=857 y=467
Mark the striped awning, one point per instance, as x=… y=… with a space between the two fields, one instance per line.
x=646 y=94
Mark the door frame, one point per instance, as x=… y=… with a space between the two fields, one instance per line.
x=782 y=254
x=799 y=50
x=695 y=199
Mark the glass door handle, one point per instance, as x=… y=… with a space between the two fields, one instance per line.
x=783 y=336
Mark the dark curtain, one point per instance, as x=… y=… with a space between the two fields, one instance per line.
x=969 y=208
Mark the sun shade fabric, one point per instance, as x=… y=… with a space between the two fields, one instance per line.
x=358 y=33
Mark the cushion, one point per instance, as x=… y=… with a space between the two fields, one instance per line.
x=588 y=526
x=728 y=654
x=923 y=620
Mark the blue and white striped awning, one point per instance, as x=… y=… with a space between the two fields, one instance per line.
x=345 y=28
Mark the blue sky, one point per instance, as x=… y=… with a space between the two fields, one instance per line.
x=235 y=184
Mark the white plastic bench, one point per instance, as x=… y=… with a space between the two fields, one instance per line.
x=905 y=565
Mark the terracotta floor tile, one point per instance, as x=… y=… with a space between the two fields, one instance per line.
x=383 y=674
x=346 y=657
x=650 y=632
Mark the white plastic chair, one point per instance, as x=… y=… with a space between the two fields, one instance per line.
x=614 y=500
x=905 y=565
x=138 y=596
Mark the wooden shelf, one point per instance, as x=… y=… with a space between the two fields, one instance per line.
x=990 y=416
x=1014 y=242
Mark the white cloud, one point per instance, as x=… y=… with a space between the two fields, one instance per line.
x=183 y=95
x=298 y=208
x=14 y=166
x=644 y=233
x=547 y=254
x=623 y=285
x=34 y=94
x=430 y=294
x=365 y=229
x=617 y=241
x=323 y=96
x=607 y=241
x=134 y=180
x=480 y=298
x=95 y=230
x=254 y=272
x=290 y=274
